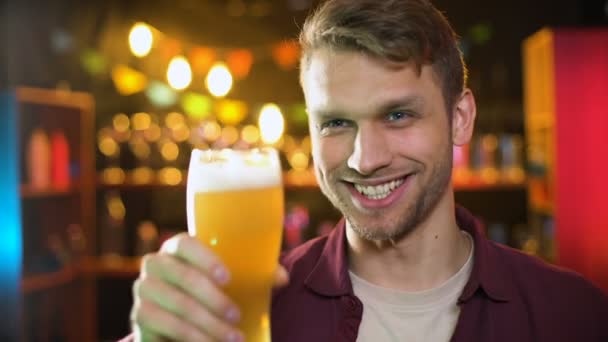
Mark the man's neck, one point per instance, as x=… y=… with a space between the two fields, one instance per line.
x=427 y=257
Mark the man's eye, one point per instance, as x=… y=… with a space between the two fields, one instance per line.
x=396 y=116
x=336 y=123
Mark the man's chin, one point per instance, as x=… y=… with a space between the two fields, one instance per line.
x=373 y=231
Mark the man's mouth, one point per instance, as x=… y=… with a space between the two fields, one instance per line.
x=378 y=194
x=381 y=191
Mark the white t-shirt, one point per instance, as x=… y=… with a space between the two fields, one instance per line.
x=425 y=316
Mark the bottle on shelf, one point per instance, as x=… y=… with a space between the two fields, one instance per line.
x=38 y=160
x=60 y=161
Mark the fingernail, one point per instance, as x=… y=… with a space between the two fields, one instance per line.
x=234 y=336
x=220 y=275
x=233 y=315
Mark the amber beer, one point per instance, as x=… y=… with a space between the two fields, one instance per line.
x=235 y=207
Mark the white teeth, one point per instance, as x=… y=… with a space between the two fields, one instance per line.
x=379 y=191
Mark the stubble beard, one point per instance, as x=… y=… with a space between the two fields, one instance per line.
x=409 y=220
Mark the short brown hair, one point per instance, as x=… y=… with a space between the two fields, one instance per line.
x=396 y=30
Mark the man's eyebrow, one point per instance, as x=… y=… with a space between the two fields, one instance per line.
x=326 y=113
x=406 y=102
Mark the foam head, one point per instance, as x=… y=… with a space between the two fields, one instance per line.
x=225 y=170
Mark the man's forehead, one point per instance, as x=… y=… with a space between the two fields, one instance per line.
x=342 y=81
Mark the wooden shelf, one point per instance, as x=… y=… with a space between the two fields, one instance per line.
x=126 y=267
x=29 y=192
x=292 y=181
x=39 y=282
x=114 y=267
x=306 y=180
x=501 y=186
x=135 y=186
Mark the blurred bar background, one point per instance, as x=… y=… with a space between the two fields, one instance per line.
x=102 y=102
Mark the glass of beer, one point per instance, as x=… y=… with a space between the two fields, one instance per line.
x=235 y=207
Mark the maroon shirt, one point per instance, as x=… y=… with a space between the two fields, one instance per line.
x=509 y=297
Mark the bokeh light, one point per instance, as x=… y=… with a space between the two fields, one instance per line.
x=121 y=122
x=140 y=39
x=179 y=73
x=271 y=123
x=250 y=134
x=141 y=121
x=219 y=80
x=212 y=131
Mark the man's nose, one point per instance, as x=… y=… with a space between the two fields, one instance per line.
x=370 y=150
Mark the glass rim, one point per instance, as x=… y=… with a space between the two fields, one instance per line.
x=211 y=156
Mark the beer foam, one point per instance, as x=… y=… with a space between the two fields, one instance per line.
x=213 y=170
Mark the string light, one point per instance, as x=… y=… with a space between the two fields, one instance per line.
x=170 y=176
x=169 y=150
x=219 y=80
x=179 y=73
x=121 y=122
x=271 y=123
x=153 y=133
x=174 y=120
x=230 y=135
x=250 y=134
x=212 y=131
x=141 y=121
x=140 y=40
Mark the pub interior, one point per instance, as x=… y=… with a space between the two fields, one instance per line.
x=103 y=101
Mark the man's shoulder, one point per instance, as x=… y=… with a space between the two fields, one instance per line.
x=532 y=275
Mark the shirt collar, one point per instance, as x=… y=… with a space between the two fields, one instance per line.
x=329 y=276
x=488 y=271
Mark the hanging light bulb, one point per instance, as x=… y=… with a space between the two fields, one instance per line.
x=140 y=40
x=219 y=80
x=179 y=73
x=271 y=123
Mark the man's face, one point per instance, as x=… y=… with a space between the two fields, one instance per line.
x=381 y=140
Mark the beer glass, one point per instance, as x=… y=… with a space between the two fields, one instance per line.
x=235 y=207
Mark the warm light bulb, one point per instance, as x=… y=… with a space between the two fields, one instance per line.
x=230 y=135
x=212 y=131
x=174 y=120
x=141 y=121
x=140 y=39
x=152 y=133
x=108 y=146
x=121 y=122
x=250 y=134
x=179 y=73
x=271 y=123
x=219 y=80
x=170 y=176
x=299 y=160
x=169 y=151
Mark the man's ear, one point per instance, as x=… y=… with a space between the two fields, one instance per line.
x=463 y=118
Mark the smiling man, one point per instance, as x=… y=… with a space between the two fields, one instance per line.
x=385 y=87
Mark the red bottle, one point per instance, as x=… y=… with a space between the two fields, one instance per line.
x=60 y=161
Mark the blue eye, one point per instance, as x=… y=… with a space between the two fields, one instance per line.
x=396 y=116
x=335 y=123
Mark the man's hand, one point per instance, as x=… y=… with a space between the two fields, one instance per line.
x=179 y=296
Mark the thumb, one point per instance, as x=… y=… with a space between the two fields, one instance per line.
x=281 y=277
